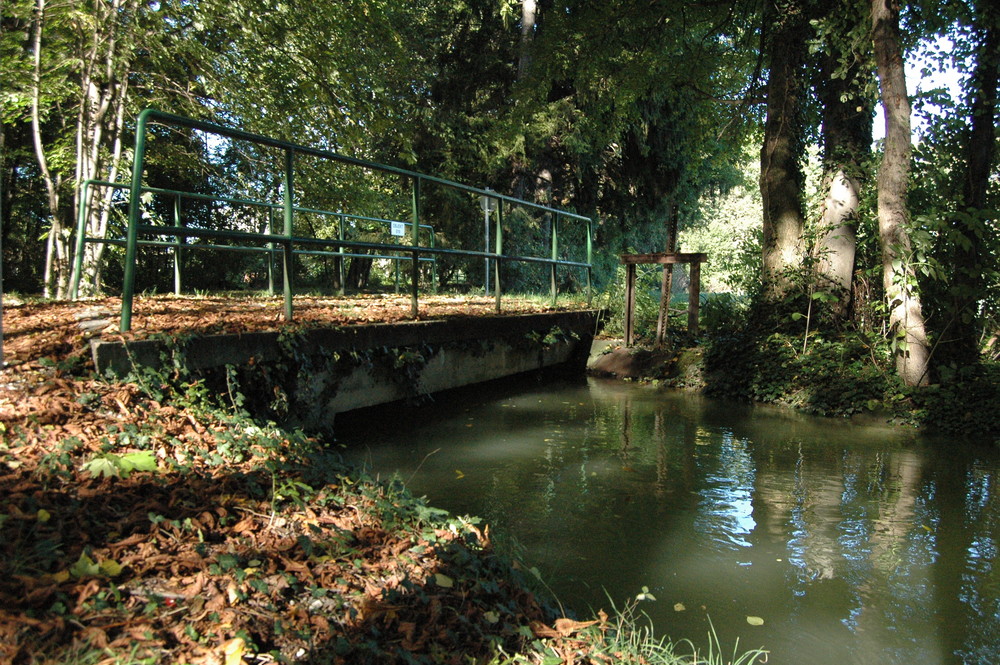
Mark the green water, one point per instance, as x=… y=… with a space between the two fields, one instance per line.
x=853 y=543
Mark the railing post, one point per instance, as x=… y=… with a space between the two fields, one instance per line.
x=590 y=260
x=434 y=263
x=270 y=252
x=341 y=219
x=553 y=224
x=289 y=205
x=132 y=234
x=414 y=234
x=498 y=252
x=81 y=231
x=178 y=241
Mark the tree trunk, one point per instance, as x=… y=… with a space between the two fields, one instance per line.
x=100 y=120
x=529 y=16
x=358 y=273
x=780 y=170
x=56 y=262
x=970 y=259
x=847 y=139
x=838 y=244
x=100 y=49
x=906 y=322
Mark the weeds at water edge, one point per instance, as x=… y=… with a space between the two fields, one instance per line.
x=626 y=636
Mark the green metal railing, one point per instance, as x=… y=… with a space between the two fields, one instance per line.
x=286 y=241
x=177 y=245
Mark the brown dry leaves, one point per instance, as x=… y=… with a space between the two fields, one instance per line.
x=53 y=329
x=197 y=562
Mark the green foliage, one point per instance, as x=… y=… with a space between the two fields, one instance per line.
x=647 y=302
x=843 y=374
x=723 y=311
x=964 y=403
x=111 y=465
x=727 y=227
x=835 y=377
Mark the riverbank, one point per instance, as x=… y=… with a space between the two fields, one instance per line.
x=841 y=375
x=153 y=520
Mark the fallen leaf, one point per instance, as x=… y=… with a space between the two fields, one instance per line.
x=110 y=568
x=84 y=567
x=567 y=627
x=233 y=651
x=679 y=607
x=755 y=621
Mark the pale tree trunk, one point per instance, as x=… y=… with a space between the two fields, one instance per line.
x=847 y=139
x=838 y=244
x=906 y=321
x=780 y=170
x=99 y=121
x=529 y=16
x=101 y=75
x=56 y=261
x=97 y=220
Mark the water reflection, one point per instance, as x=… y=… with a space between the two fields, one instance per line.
x=856 y=544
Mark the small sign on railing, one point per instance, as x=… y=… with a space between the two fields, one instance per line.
x=397 y=228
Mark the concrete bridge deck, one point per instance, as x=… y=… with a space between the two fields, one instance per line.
x=449 y=353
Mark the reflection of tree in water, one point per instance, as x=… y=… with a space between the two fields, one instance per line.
x=913 y=537
x=853 y=546
x=965 y=512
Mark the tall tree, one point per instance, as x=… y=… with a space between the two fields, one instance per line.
x=529 y=19
x=906 y=321
x=845 y=92
x=86 y=59
x=970 y=225
x=780 y=159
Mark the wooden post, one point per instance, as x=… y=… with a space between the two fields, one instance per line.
x=666 y=287
x=694 y=297
x=629 y=303
x=666 y=259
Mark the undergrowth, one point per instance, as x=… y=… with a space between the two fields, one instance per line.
x=839 y=372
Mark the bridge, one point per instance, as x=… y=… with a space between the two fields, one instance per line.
x=284 y=244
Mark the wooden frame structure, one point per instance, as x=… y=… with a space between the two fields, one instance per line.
x=665 y=259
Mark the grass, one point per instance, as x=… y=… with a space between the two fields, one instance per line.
x=626 y=636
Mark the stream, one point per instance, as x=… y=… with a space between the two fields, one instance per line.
x=851 y=543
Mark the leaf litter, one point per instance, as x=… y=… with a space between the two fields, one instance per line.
x=126 y=533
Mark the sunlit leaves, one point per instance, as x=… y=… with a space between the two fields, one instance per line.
x=110 y=465
x=87 y=567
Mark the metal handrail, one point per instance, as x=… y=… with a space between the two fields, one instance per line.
x=287 y=240
x=82 y=238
